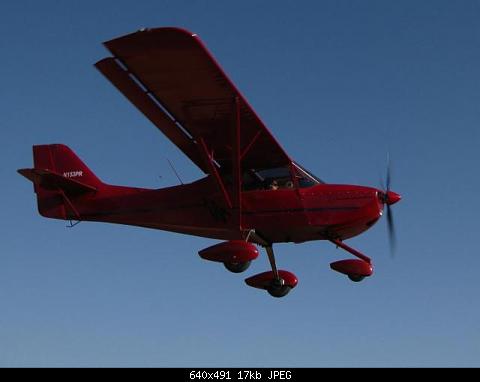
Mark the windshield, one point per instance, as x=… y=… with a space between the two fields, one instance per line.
x=278 y=178
x=304 y=177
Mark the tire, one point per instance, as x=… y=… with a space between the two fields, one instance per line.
x=237 y=267
x=277 y=290
x=356 y=278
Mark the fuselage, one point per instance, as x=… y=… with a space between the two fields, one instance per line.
x=322 y=211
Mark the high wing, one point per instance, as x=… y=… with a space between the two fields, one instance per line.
x=169 y=75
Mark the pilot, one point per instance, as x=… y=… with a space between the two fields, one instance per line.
x=274 y=185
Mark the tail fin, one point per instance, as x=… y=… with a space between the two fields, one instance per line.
x=59 y=176
x=62 y=160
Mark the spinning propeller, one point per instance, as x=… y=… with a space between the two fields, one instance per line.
x=388 y=198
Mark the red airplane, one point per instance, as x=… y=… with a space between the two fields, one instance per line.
x=253 y=192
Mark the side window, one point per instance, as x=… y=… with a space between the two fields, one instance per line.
x=251 y=181
x=267 y=179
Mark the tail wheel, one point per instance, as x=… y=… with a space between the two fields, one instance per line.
x=237 y=267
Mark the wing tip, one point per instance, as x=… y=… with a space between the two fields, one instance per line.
x=145 y=30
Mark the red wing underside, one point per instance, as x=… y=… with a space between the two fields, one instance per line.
x=172 y=78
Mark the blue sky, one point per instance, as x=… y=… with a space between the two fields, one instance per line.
x=339 y=83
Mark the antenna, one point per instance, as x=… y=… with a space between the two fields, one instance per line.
x=173 y=169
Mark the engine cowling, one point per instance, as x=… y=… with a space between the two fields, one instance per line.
x=232 y=251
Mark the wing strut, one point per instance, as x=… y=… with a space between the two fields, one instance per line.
x=237 y=164
x=212 y=170
x=232 y=201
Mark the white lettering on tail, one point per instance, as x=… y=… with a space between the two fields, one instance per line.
x=72 y=174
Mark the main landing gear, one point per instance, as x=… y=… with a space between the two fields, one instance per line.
x=277 y=287
x=276 y=282
x=356 y=270
x=236 y=256
x=237 y=267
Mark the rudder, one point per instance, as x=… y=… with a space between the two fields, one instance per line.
x=61 y=159
x=59 y=176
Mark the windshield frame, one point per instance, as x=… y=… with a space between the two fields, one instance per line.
x=313 y=178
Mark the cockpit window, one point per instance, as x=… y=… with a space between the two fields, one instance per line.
x=267 y=179
x=304 y=177
x=276 y=178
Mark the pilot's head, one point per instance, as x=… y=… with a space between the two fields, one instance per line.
x=274 y=185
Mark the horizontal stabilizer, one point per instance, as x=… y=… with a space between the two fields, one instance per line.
x=50 y=180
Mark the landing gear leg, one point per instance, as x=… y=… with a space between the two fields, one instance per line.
x=271 y=259
x=276 y=282
x=354 y=252
x=277 y=287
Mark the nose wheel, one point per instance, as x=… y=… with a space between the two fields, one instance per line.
x=356 y=278
x=357 y=269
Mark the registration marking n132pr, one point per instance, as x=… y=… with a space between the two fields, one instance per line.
x=72 y=174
